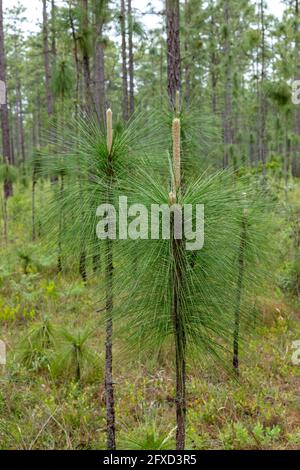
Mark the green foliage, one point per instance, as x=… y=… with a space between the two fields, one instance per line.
x=8 y=173
x=63 y=79
x=73 y=356
x=35 y=350
x=147 y=436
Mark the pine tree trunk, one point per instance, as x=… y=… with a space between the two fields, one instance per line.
x=100 y=99
x=76 y=58
x=50 y=103
x=7 y=155
x=109 y=273
x=173 y=49
x=179 y=337
x=227 y=117
x=85 y=56
x=109 y=387
x=33 y=207
x=124 y=62
x=262 y=149
x=296 y=147
x=213 y=65
x=240 y=280
x=131 y=58
x=187 y=71
x=20 y=119
x=53 y=31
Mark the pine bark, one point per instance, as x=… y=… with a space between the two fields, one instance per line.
x=109 y=273
x=50 y=101
x=130 y=57
x=179 y=337
x=85 y=55
x=187 y=71
x=20 y=119
x=173 y=49
x=296 y=146
x=214 y=63
x=227 y=117
x=7 y=154
x=76 y=57
x=100 y=92
x=237 y=316
x=124 y=62
x=262 y=148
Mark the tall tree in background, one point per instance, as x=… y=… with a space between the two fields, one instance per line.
x=213 y=58
x=75 y=53
x=262 y=121
x=85 y=46
x=227 y=116
x=53 y=30
x=50 y=103
x=296 y=153
x=124 y=61
x=8 y=190
x=173 y=49
x=101 y=13
x=130 y=57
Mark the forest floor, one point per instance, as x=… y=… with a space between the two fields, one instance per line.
x=41 y=408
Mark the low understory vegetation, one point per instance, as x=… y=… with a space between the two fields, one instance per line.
x=52 y=391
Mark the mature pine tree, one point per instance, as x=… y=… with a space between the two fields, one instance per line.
x=50 y=103
x=101 y=14
x=125 y=106
x=85 y=44
x=227 y=116
x=296 y=149
x=262 y=118
x=7 y=155
x=173 y=49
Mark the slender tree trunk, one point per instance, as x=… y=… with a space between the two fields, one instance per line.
x=296 y=150
x=85 y=55
x=213 y=59
x=7 y=155
x=100 y=95
x=33 y=206
x=180 y=343
x=187 y=71
x=20 y=119
x=53 y=31
x=252 y=149
x=50 y=102
x=124 y=62
x=109 y=274
x=287 y=157
x=110 y=406
x=76 y=56
x=131 y=57
x=227 y=117
x=240 y=281
x=173 y=49
x=60 y=227
x=177 y=277
x=263 y=102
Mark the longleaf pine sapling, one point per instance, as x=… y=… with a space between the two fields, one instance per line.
x=109 y=388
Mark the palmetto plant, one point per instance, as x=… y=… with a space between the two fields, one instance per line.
x=73 y=355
